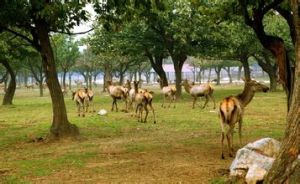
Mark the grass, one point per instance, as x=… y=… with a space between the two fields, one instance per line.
x=182 y=147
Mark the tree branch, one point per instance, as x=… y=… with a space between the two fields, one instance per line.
x=287 y=15
x=70 y=33
x=246 y=16
x=18 y=34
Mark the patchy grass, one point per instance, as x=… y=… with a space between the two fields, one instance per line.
x=184 y=145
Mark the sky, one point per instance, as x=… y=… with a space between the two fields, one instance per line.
x=85 y=26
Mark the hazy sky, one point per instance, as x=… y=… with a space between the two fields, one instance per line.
x=85 y=26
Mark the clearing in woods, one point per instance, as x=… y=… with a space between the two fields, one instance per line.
x=184 y=145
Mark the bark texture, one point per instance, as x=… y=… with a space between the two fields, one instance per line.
x=60 y=125
x=10 y=90
x=285 y=162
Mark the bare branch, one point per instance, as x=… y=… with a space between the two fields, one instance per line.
x=70 y=33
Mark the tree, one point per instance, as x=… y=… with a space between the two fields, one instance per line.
x=275 y=44
x=33 y=21
x=66 y=52
x=285 y=162
x=88 y=66
x=10 y=53
x=34 y=63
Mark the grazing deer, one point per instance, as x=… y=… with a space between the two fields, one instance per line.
x=169 y=92
x=81 y=98
x=196 y=91
x=116 y=92
x=231 y=111
x=143 y=99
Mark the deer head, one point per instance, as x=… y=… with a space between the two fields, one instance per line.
x=256 y=86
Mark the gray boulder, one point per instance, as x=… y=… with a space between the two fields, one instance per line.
x=253 y=161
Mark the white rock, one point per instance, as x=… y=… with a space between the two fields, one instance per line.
x=254 y=174
x=254 y=160
x=102 y=112
x=265 y=146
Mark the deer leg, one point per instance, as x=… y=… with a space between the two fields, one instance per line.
x=222 y=139
x=194 y=101
x=78 y=108
x=240 y=130
x=147 y=112
x=83 y=110
x=206 y=101
x=229 y=141
x=163 y=101
x=170 y=100
x=112 y=105
x=116 y=105
x=86 y=106
x=150 y=105
x=141 y=113
x=137 y=111
x=222 y=147
x=174 y=100
x=213 y=99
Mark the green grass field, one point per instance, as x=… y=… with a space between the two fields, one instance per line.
x=184 y=145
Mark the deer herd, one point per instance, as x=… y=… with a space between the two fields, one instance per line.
x=139 y=100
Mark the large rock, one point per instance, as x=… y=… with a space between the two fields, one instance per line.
x=253 y=161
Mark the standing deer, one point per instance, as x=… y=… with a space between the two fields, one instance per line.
x=116 y=92
x=81 y=98
x=143 y=99
x=231 y=111
x=170 y=93
x=90 y=95
x=196 y=91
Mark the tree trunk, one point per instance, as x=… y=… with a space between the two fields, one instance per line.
x=10 y=90
x=41 y=88
x=60 y=125
x=64 y=79
x=239 y=72
x=247 y=73
x=107 y=75
x=90 y=82
x=229 y=74
x=285 y=162
x=209 y=74
x=178 y=62
x=218 y=72
x=270 y=69
x=70 y=80
x=274 y=44
x=157 y=65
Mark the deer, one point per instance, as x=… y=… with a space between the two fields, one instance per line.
x=170 y=93
x=196 y=91
x=116 y=92
x=81 y=98
x=90 y=95
x=143 y=99
x=231 y=110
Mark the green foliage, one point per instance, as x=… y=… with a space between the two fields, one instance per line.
x=66 y=51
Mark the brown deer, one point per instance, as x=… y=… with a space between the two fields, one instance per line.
x=81 y=98
x=143 y=99
x=231 y=111
x=196 y=91
x=170 y=93
x=116 y=92
x=90 y=95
